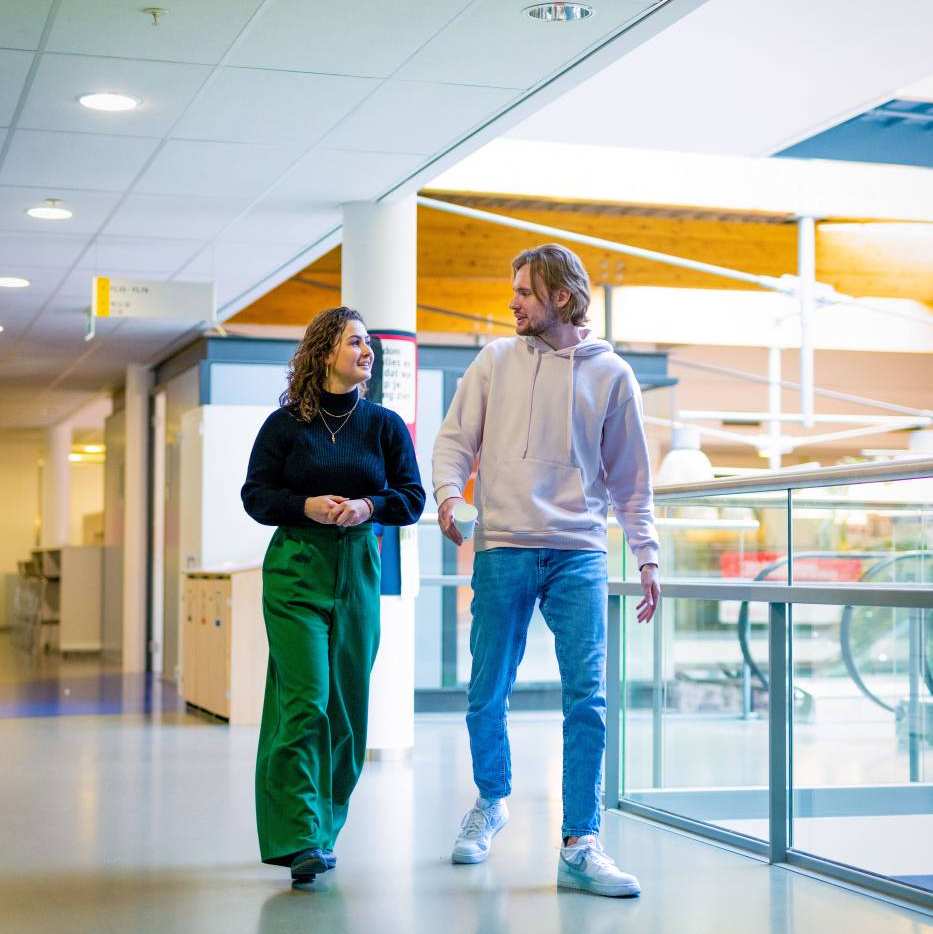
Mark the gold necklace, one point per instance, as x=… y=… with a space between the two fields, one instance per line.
x=332 y=431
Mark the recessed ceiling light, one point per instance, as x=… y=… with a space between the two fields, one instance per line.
x=13 y=282
x=50 y=211
x=558 y=12
x=108 y=102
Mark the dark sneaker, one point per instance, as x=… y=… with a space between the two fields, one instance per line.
x=312 y=862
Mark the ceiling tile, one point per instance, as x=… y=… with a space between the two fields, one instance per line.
x=252 y=105
x=495 y=44
x=284 y=222
x=22 y=22
x=43 y=279
x=14 y=66
x=75 y=160
x=415 y=117
x=90 y=209
x=370 y=38
x=40 y=250
x=170 y=216
x=193 y=31
x=142 y=255
x=237 y=267
x=338 y=175
x=164 y=89
x=216 y=169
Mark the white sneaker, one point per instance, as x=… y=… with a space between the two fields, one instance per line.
x=588 y=867
x=479 y=825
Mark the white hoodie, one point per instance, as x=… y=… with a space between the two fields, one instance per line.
x=559 y=435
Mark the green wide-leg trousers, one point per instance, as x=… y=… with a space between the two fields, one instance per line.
x=321 y=607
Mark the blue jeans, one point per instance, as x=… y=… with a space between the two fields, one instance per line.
x=571 y=587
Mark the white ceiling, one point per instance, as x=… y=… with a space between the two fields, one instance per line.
x=747 y=77
x=258 y=118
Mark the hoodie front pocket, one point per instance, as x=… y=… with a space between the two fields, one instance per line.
x=534 y=496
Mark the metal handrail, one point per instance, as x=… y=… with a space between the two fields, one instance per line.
x=843 y=475
x=704 y=588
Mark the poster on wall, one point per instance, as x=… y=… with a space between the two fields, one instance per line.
x=394 y=384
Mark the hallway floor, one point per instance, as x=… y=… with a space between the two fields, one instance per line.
x=144 y=823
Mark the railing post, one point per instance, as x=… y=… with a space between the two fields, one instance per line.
x=612 y=771
x=657 y=700
x=778 y=732
x=916 y=725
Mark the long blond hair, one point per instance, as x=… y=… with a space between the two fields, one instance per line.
x=555 y=267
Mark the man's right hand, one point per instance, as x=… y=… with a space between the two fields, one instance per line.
x=323 y=508
x=445 y=519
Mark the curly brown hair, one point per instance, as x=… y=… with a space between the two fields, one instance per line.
x=307 y=370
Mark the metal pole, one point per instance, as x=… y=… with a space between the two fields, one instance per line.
x=557 y=233
x=778 y=745
x=915 y=724
x=607 y=313
x=806 y=276
x=774 y=405
x=611 y=781
x=657 y=702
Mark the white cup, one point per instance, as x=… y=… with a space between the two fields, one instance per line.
x=465 y=518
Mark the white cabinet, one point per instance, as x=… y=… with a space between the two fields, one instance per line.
x=72 y=597
x=215 y=531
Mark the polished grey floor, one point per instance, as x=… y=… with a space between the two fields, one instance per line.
x=138 y=824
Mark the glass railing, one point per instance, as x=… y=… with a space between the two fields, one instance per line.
x=782 y=700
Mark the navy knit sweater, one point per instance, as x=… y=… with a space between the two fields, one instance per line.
x=372 y=456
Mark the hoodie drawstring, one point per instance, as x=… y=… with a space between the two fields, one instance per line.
x=531 y=395
x=570 y=410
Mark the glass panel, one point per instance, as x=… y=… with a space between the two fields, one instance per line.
x=872 y=532
x=863 y=737
x=736 y=537
x=695 y=721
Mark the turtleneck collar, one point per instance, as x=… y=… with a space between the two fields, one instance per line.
x=339 y=403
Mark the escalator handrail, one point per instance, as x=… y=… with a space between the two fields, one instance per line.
x=743 y=626
x=845 y=636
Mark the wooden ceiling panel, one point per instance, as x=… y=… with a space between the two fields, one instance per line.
x=464 y=265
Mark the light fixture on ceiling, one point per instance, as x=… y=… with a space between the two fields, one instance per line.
x=13 y=282
x=107 y=101
x=684 y=462
x=559 y=12
x=50 y=211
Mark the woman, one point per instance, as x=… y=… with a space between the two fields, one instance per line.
x=324 y=467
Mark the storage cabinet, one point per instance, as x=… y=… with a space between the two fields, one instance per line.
x=72 y=595
x=224 y=651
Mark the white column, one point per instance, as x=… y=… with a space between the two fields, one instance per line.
x=135 y=519
x=806 y=274
x=56 y=486
x=379 y=279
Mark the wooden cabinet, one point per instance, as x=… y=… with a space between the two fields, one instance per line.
x=224 y=652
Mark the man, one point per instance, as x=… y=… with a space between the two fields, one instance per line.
x=555 y=418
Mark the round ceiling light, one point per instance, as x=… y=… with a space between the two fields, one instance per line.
x=111 y=103
x=558 y=12
x=13 y=282
x=50 y=211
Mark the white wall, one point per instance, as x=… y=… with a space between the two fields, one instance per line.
x=19 y=502
x=86 y=496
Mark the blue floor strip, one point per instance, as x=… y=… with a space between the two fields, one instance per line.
x=97 y=694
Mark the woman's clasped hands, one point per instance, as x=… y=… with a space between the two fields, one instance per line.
x=331 y=509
